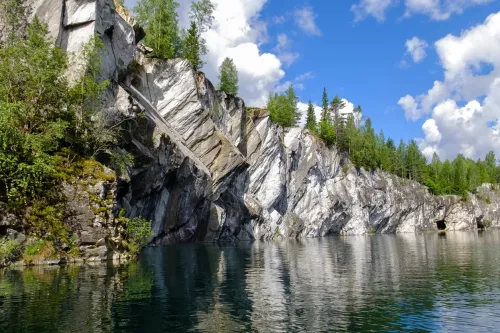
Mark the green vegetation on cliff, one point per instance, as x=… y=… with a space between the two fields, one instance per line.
x=44 y=121
x=357 y=139
x=228 y=77
x=283 y=108
x=161 y=23
x=50 y=127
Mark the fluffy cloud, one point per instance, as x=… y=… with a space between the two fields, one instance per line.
x=436 y=9
x=348 y=109
x=375 y=8
x=237 y=33
x=459 y=122
x=305 y=18
x=440 y=10
x=417 y=49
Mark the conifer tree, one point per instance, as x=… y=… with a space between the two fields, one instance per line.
x=228 y=77
x=311 y=119
x=192 y=51
x=326 y=129
x=325 y=114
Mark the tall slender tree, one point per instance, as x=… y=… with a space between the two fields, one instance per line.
x=192 y=50
x=202 y=14
x=311 y=119
x=228 y=77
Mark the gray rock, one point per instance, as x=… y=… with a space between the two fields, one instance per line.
x=17 y=236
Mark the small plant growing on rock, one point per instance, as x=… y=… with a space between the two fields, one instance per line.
x=9 y=250
x=137 y=230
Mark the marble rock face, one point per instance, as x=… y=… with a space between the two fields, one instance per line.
x=207 y=169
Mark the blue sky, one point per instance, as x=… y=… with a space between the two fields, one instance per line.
x=358 y=50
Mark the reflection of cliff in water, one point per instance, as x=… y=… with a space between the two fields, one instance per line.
x=404 y=282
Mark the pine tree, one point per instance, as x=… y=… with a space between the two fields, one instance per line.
x=325 y=114
x=311 y=119
x=401 y=160
x=159 y=19
x=351 y=132
x=325 y=126
x=228 y=77
x=192 y=51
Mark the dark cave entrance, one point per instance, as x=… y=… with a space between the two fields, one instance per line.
x=441 y=225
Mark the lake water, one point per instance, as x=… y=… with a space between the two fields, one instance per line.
x=385 y=283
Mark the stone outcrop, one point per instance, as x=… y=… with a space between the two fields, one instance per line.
x=207 y=169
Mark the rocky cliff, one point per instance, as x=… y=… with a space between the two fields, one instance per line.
x=208 y=169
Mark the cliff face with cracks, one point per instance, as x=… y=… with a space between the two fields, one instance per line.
x=207 y=169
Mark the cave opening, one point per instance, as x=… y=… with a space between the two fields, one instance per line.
x=441 y=225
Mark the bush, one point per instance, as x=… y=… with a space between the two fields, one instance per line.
x=137 y=231
x=42 y=115
x=9 y=250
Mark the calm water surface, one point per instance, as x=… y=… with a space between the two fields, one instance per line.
x=420 y=283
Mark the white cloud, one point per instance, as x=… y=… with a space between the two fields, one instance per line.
x=282 y=49
x=279 y=19
x=288 y=58
x=303 y=109
x=348 y=109
x=305 y=18
x=438 y=10
x=375 y=8
x=410 y=106
x=237 y=33
x=417 y=49
x=305 y=76
x=473 y=129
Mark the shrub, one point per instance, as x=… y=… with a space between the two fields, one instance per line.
x=137 y=231
x=9 y=250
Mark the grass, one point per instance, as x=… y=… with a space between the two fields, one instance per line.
x=38 y=250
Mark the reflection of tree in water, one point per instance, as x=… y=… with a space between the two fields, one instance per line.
x=69 y=299
x=369 y=283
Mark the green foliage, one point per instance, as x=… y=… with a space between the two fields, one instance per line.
x=192 y=49
x=137 y=231
x=14 y=14
x=311 y=119
x=46 y=220
x=373 y=151
x=9 y=250
x=228 y=77
x=283 y=108
x=202 y=14
x=327 y=132
x=33 y=248
x=42 y=115
x=159 y=19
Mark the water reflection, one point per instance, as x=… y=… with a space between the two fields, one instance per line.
x=411 y=282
